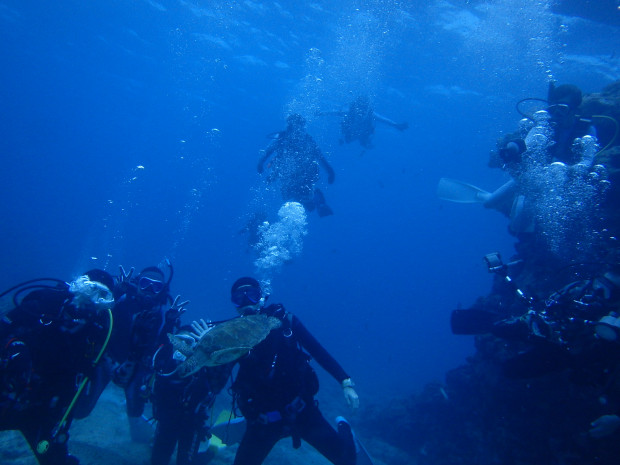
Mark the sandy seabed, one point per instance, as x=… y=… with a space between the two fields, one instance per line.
x=103 y=439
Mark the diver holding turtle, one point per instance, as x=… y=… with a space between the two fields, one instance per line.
x=181 y=403
x=275 y=387
x=191 y=369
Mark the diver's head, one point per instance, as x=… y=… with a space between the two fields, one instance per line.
x=246 y=295
x=563 y=100
x=296 y=122
x=91 y=294
x=512 y=150
x=152 y=283
x=101 y=276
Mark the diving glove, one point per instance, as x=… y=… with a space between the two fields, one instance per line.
x=200 y=329
x=173 y=314
x=349 y=393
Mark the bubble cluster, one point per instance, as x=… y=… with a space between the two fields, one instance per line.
x=281 y=241
x=565 y=200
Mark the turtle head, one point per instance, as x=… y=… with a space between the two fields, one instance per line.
x=183 y=342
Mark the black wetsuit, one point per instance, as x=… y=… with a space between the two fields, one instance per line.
x=296 y=166
x=140 y=327
x=275 y=388
x=180 y=406
x=145 y=330
x=46 y=350
x=565 y=131
x=358 y=123
x=295 y=163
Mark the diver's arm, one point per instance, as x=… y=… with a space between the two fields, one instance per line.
x=389 y=122
x=331 y=175
x=500 y=196
x=318 y=352
x=331 y=113
x=267 y=153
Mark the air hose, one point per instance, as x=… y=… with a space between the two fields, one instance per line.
x=43 y=446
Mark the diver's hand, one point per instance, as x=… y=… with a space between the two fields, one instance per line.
x=604 y=426
x=179 y=306
x=124 y=279
x=349 y=394
x=173 y=314
x=200 y=329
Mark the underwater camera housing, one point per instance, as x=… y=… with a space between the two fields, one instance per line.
x=494 y=262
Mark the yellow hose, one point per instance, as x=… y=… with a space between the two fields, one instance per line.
x=85 y=380
x=613 y=139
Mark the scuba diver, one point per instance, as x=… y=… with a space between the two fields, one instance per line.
x=575 y=330
x=51 y=342
x=144 y=313
x=275 y=387
x=181 y=404
x=358 y=122
x=295 y=165
x=555 y=139
x=563 y=103
x=576 y=327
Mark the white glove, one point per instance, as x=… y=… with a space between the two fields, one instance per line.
x=604 y=426
x=200 y=329
x=349 y=394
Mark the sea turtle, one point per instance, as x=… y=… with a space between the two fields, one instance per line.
x=224 y=343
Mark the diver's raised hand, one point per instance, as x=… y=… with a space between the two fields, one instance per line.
x=200 y=329
x=350 y=395
x=124 y=279
x=173 y=314
x=177 y=306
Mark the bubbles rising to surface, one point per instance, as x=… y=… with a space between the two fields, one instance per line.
x=281 y=241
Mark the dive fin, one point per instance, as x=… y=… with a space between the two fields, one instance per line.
x=461 y=192
x=321 y=206
x=324 y=210
x=224 y=416
x=230 y=430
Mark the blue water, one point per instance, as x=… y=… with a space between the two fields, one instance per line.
x=130 y=132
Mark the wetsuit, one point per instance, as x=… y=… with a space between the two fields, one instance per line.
x=140 y=327
x=295 y=163
x=180 y=406
x=47 y=347
x=275 y=388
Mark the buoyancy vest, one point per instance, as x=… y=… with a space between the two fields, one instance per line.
x=275 y=372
